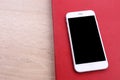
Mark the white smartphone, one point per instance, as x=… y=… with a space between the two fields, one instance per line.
x=86 y=43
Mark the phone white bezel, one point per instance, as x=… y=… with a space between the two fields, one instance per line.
x=92 y=65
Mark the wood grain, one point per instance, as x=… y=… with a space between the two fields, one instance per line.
x=26 y=40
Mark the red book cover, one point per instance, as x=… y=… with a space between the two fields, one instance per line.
x=108 y=16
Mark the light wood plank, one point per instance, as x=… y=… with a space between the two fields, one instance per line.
x=26 y=40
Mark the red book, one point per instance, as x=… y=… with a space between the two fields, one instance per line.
x=108 y=16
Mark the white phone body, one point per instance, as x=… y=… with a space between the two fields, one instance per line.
x=89 y=66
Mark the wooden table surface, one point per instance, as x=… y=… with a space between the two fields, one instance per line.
x=26 y=40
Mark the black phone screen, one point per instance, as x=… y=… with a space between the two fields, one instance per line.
x=86 y=42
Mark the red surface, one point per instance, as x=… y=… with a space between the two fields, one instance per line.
x=108 y=15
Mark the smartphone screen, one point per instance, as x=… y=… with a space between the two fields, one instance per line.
x=86 y=42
